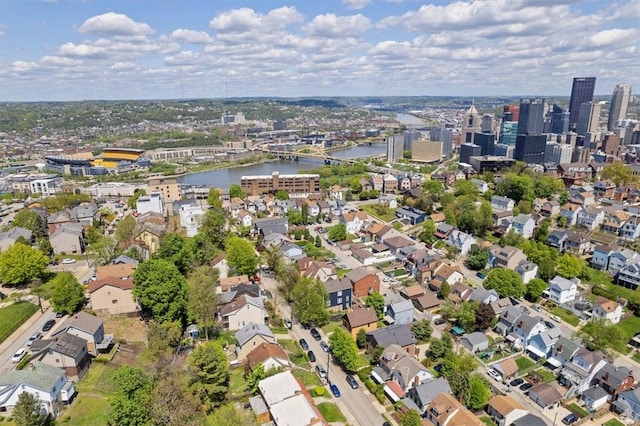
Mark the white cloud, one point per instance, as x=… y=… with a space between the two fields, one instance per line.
x=24 y=66
x=123 y=66
x=614 y=36
x=356 y=4
x=112 y=24
x=182 y=35
x=246 y=19
x=331 y=25
x=82 y=50
x=2 y=28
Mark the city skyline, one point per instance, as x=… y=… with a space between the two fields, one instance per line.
x=59 y=50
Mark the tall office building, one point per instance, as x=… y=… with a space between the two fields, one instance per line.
x=468 y=150
x=486 y=142
x=410 y=136
x=511 y=113
x=619 y=104
x=581 y=92
x=531 y=120
x=588 y=118
x=508 y=132
x=445 y=136
x=470 y=125
x=530 y=148
x=487 y=124
x=395 y=146
x=557 y=120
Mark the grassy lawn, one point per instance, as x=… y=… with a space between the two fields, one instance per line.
x=524 y=363
x=309 y=378
x=91 y=406
x=566 y=316
x=296 y=354
x=370 y=209
x=237 y=383
x=613 y=422
x=636 y=357
x=630 y=326
x=547 y=376
x=331 y=412
x=224 y=337
x=579 y=410
x=13 y=316
x=487 y=421
x=331 y=326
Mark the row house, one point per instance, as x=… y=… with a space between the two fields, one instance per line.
x=604 y=189
x=354 y=221
x=578 y=374
x=550 y=208
x=591 y=218
x=500 y=203
x=631 y=228
x=390 y=184
x=562 y=290
x=506 y=257
x=570 y=211
x=629 y=275
x=524 y=225
x=614 y=221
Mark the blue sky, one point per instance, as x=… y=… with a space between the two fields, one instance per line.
x=143 y=49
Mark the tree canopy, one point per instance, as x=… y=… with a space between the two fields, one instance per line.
x=130 y=404
x=505 y=282
x=599 y=335
x=337 y=232
x=209 y=374
x=309 y=298
x=201 y=296
x=235 y=191
x=161 y=290
x=344 y=349
x=422 y=330
x=67 y=295
x=241 y=256
x=477 y=258
x=31 y=220
x=569 y=266
x=535 y=288
x=377 y=302
x=125 y=228
x=20 y=264
x=27 y=411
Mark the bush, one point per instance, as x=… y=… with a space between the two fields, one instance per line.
x=319 y=391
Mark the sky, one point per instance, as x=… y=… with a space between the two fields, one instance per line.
x=58 y=50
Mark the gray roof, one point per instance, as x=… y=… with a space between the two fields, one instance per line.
x=69 y=228
x=482 y=294
x=566 y=347
x=85 y=210
x=402 y=306
x=396 y=334
x=357 y=274
x=475 y=338
x=123 y=258
x=615 y=375
x=428 y=390
x=83 y=321
x=333 y=286
x=522 y=218
x=43 y=376
x=252 y=329
x=527 y=322
x=595 y=393
x=561 y=283
x=63 y=343
x=529 y=420
x=16 y=232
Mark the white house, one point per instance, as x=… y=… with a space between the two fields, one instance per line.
x=526 y=327
x=150 y=203
x=354 y=221
x=607 y=309
x=504 y=204
x=524 y=225
x=527 y=271
x=482 y=185
x=245 y=218
x=562 y=290
x=461 y=240
x=242 y=311
x=190 y=218
x=591 y=218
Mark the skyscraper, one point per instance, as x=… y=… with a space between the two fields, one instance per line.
x=471 y=124
x=581 y=92
x=558 y=120
x=588 y=118
x=530 y=148
x=619 y=104
x=531 y=120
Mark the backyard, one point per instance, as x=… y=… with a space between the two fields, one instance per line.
x=13 y=316
x=331 y=412
x=386 y=215
x=566 y=316
x=91 y=406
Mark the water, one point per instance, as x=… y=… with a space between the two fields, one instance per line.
x=223 y=178
x=410 y=120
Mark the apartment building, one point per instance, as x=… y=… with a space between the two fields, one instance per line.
x=298 y=186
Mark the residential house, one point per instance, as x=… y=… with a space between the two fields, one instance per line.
x=619 y=259
x=475 y=342
x=404 y=183
x=545 y=395
x=269 y=355
x=390 y=184
x=446 y=410
x=480 y=184
x=322 y=271
x=604 y=189
x=607 y=309
x=227 y=282
x=88 y=327
x=119 y=270
x=397 y=243
x=591 y=218
x=584 y=199
x=557 y=239
x=411 y=292
x=507 y=368
x=504 y=410
x=483 y=296
x=360 y=319
x=68 y=239
x=291 y=251
x=400 y=312
x=571 y=211
x=113 y=296
x=451 y=274
x=48 y=384
x=242 y=311
x=524 y=225
x=614 y=221
x=562 y=290
x=150 y=203
x=526 y=327
x=506 y=257
x=354 y=221
x=85 y=213
x=540 y=345
x=244 y=218
x=250 y=337
x=631 y=228
x=563 y=350
x=443 y=230
x=149 y=238
x=628 y=403
x=376 y=233
x=376 y=182
x=527 y=271
x=422 y=395
x=339 y=292
x=66 y=351
x=363 y=282
x=577 y=374
x=629 y=275
x=270 y=225
x=500 y=203
x=335 y=192
x=550 y=208
x=288 y=401
x=577 y=243
x=507 y=319
x=411 y=214
x=529 y=420
x=191 y=216
x=461 y=240
x=399 y=371
x=594 y=398
x=395 y=334
x=499 y=218
x=9 y=237
x=500 y=305
x=614 y=379
x=600 y=258
x=426 y=302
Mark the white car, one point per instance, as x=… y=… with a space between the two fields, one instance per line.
x=556 y=318
x=68 y=261
x=17 y=357
x=494 y=375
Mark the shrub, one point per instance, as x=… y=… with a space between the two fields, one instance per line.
x=319 y=390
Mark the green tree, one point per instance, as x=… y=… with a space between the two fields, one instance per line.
x=511 y=239
x=208 y=370
x=376 y=301
x=130 y=404
x=282 y=195
x=27 y=411
x=428 y=230
x=317 y=242
x=229 y=415
x=569 y=266
x=344 y=349
x=213 y=230
x=288 y=276
x=171 y=401
x=175 y=248
x=103 y=251
x=422 y=330
x=125 y=228
x=548 y=186
x=599 y=335
x=213 y=199
x=133 y=200
x=505 y=282
x=241 y=256
x=20 y=264
x=619 y=173
x=201 y=296
x=479 y=393
x=467 y=315
x=484 y=317
x=305 y=213
x=163 y=338
x=437 y=349
x=309 y=296
x=294 y=216
x=411 y=418
x=254 y=376
x=235 y=191
x=445 y=289
x=361 y=338
x=337 y=232
x=535 y=288
x=477 y=258
x=67 y=295
x=160 y=289
x=31 y=220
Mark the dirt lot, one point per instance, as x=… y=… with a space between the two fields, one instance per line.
x=126 y=329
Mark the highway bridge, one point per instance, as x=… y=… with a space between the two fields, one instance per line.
x=320 y=155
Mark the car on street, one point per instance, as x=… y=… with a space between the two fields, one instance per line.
x=556 y=318
x=537 y=308
x=352 y=382
x=17 y=357
x=325 y=347
x=312 y=356
x=516 y=382
x=321 y=371
x=334 y=390
x=68 y=261
x=549 y=324
x=304 y=344
x=59 y=314
x=315 y=334
x=525 y=386
x=287 y=323
x=35 y=336
x=48 y=325
x=494 y=375
x=570 y=419
x=481 y=275
x=440 y=321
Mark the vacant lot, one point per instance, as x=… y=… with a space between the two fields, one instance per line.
x=91 y=406
x=13 y=316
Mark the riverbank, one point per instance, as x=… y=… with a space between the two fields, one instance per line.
x=202 y=168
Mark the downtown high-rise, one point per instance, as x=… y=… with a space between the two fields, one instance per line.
x=581 y=92
x=619 y=104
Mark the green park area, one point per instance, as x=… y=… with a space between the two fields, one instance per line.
x=13 y=316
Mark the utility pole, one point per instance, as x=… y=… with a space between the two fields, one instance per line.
x=36 y=285
x=328 y=365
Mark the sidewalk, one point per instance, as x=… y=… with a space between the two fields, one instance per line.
x=20 y=331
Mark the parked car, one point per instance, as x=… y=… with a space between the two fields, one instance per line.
x=494 y=375
x=35 y=336
x=570 y=419
x=556 y=318
x=525 y=386
x=325 y=347
x=481 y=275
x=549 y=324
x=537 y=308
x=440 y=321
x=17 y=357
x=352 y=382
x=287 y=323
x=315 y=334
x=68 y=261
x=334 y=390
x=312 y=356
x=516 y=382
x=303 y=344
x=321 y=371
x=48 y=325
